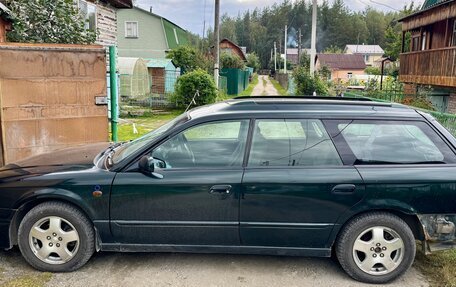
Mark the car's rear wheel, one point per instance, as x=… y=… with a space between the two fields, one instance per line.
x=56 y=237
x=376 y=248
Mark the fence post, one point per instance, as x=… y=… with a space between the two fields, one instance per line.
x=114 y=92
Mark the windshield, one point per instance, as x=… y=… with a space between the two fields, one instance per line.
x=130 y=148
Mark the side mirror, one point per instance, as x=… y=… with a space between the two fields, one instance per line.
x=147 y=166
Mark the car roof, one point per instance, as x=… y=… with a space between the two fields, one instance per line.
x=316 y=106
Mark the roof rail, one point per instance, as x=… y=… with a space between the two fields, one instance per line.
x=305 y=98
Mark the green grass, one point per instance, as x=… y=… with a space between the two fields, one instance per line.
x=29 y=280
x=145 y=124
x=249 y=90
x=281 y=90
x=439 y=267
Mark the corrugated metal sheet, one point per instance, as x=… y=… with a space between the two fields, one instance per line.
x=342 y=61
x=430 y=3
x=365 y=49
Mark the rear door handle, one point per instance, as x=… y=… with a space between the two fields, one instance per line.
x=224 y=189
x=344 y=189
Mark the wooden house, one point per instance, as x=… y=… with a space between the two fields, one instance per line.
x=5 y=22
x=226 y=46
x=429 y=59
x=343 y=66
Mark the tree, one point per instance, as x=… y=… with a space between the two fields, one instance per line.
x=48 y=21
x=333 y=50
x=253 y=61
x=184 y=57
x=231 y=61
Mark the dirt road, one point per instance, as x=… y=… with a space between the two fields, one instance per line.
x=141 y=269
x=264 y=87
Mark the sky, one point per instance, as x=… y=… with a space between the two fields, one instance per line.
x=190 y=14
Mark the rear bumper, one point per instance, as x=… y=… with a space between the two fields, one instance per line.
x=439 y=231
x=6 y=215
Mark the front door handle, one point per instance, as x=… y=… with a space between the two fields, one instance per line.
x=224 y=189
x=344 y=189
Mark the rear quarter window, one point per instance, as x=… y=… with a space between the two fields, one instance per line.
x=393 y=142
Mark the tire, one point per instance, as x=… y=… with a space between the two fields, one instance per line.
x=56 y=237
x=360 y=245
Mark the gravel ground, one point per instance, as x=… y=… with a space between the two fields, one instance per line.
x=264 y=90
x=152 y=269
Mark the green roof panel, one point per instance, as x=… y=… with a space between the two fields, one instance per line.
x=430 y=3
x=175 y=35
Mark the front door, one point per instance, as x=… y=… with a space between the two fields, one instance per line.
x=295 y=185
x=197 y=200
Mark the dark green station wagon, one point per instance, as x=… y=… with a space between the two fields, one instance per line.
x=282 y=176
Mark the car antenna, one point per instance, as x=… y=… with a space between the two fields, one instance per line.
x=197 y=94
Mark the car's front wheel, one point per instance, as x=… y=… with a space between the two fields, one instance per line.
x=56 y=237
x=376 y=248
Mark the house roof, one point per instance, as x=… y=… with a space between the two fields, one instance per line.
x=342 y=61
x=244 y=56
x=121 y=3
x=428 y=5
x=158 y=16
x=159 y=63
x=5 y=13
x=365 y=49
x=294 y=51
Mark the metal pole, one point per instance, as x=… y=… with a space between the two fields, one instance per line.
x=286 y=46
x=217 y=42
x=275 y=56
x=113 y=83
x=299 y=47
x=313 y=48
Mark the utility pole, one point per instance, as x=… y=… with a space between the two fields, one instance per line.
x=313 y=47
x=217 y=42
x=299 y=47
x=275 y=56
x=286 y=46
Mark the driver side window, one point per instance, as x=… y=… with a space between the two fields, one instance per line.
x=208 y=145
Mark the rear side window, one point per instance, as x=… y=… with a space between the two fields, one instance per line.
x=292 y=142
x=377 y=142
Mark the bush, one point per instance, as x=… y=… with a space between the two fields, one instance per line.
x=253 y=61
x=188 y=84
x=306 y=85
x=373 y=71
x=231 y=61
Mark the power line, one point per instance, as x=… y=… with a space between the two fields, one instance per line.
x=386 y=5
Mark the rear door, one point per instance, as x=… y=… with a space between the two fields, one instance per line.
x=406 y=165
x=295 y=185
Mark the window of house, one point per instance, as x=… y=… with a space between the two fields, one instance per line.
x=454 y=34
x=89 y=13
x=415 y=43
x=292 y=142
x=350 y=76
x=423 y=41
x=131 y=29
x=366 y=58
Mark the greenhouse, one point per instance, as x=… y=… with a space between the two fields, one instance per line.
x=135 y=82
